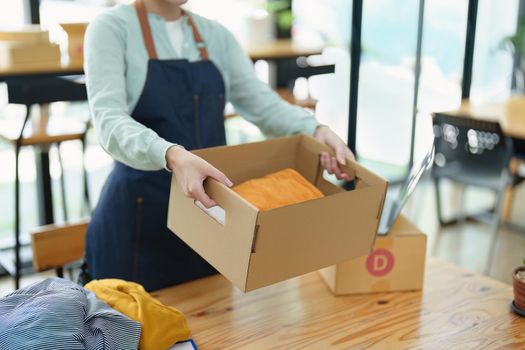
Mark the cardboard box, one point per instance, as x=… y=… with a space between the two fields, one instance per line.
x=75 y=40
x=396 y=264
x=19 y=53
x=27 y=34
x=254 y=249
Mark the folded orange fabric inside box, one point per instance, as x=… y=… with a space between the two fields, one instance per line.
x=278 y=189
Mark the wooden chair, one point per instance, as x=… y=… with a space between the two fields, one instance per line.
x=510 y=192
x=55 y=246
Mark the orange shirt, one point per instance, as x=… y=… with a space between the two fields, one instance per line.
x=278 y=189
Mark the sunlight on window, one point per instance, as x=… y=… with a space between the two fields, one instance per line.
x=11 y=13
x=492 y=70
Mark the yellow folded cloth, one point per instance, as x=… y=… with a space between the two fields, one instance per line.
x=162 y=326
x=278 y=189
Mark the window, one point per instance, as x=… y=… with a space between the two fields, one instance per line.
x=492 y=70
x=386 y=82
x=11 y=13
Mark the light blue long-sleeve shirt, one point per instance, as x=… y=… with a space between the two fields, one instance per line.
x=116 y=63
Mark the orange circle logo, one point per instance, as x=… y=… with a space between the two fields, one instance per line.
x=380 y=262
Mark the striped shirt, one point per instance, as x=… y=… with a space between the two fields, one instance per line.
x=57 y=314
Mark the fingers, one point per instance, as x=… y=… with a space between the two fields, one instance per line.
x=192 y=176
x=339 y=174
x=218 y=175
x=331 y=165
x=334 y=167
x=349 y=154
x=199 y=194
x=340 y=153
x=326 y=162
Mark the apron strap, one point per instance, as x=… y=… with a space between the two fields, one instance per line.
x=148 y=38
x=146 y=31
x=197 y=37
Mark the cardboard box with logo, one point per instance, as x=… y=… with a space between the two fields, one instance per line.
x=397 y=263
x=254 y=249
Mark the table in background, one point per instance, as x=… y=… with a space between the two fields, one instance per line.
x=41 y=70
x=510 y=114
x=283 y=51
x=457 y=309
x=278 y=49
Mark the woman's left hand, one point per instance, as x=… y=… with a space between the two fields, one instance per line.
x=325 y=135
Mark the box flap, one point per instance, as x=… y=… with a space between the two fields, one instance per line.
x=226 y=247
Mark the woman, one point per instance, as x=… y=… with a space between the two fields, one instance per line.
x=157 y=79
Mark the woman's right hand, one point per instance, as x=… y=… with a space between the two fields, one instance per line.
x=191 y=171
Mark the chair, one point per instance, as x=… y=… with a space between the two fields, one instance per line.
x=472 y=153
x=57 y=245
x=42 y=91
x=518 y=159
x=288 y=73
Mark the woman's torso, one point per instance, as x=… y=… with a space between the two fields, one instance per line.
x=123 y=18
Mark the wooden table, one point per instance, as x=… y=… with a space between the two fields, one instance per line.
x=456 y=310
x=279 y=49
x=510 y=114
x=41 y=70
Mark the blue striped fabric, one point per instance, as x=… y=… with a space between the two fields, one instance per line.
x=57 y=314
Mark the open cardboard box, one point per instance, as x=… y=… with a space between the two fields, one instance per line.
x=254 y=249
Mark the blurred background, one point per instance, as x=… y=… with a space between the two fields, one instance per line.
x=415 y=58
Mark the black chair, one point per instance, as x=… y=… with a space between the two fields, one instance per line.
x=290 y=70
x=42 y=91
x=518 y=159
x=472 y=153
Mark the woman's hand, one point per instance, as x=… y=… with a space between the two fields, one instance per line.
x=324 y=135
x=191 y=171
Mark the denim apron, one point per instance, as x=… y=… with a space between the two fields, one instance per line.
x=183 y=102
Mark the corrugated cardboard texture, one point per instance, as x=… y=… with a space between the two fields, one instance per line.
x=228 y=247
x=300 y=238
x=397 y=264
x=256 y=249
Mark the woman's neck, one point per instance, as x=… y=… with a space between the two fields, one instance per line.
x=163 y=8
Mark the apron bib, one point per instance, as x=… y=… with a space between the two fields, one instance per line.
x=128 y=238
